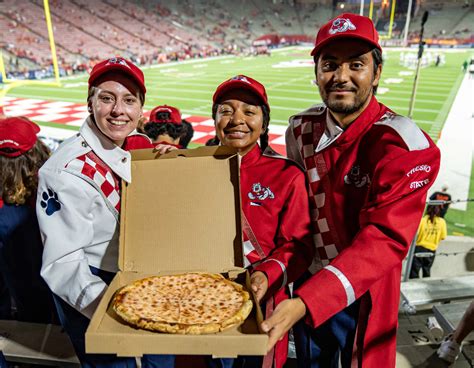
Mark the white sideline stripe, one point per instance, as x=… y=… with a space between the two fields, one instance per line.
x=345 y=283
x=456 y=145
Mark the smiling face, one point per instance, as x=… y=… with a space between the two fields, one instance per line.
x=239 y=120
x=346 y=78
x=116 y=107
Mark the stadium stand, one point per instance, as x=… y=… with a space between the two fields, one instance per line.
x=154 y=32
x=445 y=18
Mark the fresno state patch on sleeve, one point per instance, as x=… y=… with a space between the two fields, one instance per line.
x=419 y=183
x=418 y=176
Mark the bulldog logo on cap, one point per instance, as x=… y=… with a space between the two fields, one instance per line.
x=341 y=25
x=118 y=61
x=241 y=78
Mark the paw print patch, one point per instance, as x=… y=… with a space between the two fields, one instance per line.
x=50 y=202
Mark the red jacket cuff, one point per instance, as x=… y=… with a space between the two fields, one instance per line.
x=275 y=274
x=324 y=296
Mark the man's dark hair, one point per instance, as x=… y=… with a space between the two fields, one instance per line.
x=265 y=123
x=378 y=60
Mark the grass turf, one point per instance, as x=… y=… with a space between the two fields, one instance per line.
x=288 y=76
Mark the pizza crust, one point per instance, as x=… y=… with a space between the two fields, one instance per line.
x=190 y=303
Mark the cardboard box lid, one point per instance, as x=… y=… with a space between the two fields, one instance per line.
x=182 y=212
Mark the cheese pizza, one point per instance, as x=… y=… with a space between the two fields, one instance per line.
x=190 y=303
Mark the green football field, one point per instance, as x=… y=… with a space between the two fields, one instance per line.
x=289 y=78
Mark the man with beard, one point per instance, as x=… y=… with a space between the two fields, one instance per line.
x=368 y=170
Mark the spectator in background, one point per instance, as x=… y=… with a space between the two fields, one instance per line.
x=166 y=126
x=431 y=231
x=451 y=346
x=442 y=196
x=21 y=156
x=78 y=204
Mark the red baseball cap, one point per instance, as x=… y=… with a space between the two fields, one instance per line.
x=119 y=64
x=241 y=82
x=347 y=25
x=165 y=114
x=17 y=136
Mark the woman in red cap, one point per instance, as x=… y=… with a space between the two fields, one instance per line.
x=21 y=156
x=78 y=203
x=276 y=225
x=275 y=211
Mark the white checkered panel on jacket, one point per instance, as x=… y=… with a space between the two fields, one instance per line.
x=306 y=137
x=91 y=166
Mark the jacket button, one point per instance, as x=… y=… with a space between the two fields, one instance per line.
x=124 y=159
x=84 y=144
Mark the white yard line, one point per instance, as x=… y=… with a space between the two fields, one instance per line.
x=456 y=145
x=287 y=82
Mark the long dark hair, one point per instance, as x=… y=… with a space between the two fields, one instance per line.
x=265 y=124
x=19 y=175
x=153 y=130
x=187 y=135
x=432 y=212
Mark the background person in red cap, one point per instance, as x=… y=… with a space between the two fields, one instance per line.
x=276 y=225
x=166 y=126
x=367 y=195
x=21 y=156
x=78 y=204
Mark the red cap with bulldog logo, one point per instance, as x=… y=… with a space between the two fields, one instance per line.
x=119 y=64
x=347 y=25
x=165 y=114
x=17 y=136
x=241 y=82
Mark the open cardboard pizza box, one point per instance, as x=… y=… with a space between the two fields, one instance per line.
x=181 y=213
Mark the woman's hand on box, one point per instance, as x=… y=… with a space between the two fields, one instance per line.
x=259 y=284
x=285 y=315
x=164 y=148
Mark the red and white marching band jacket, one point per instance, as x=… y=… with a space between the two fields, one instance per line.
x=275 y=204
x=78 y=208
x=368 y=187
